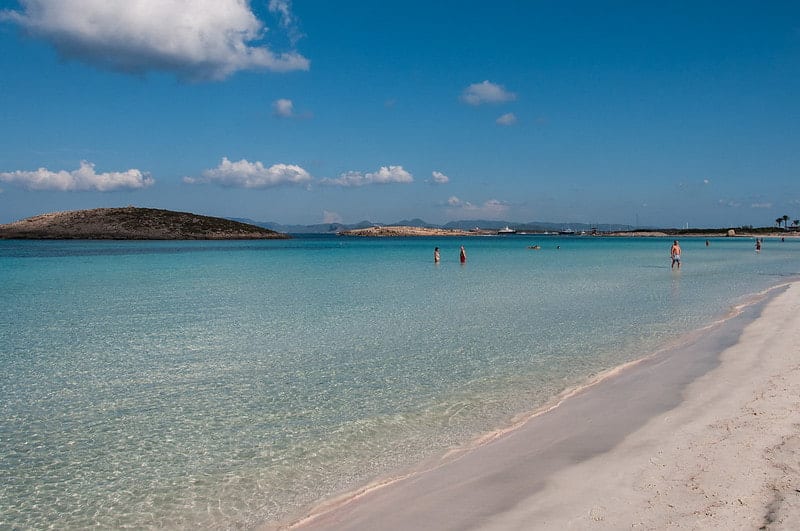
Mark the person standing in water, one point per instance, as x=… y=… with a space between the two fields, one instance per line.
x=462 y=255
x=436 y=256
x=675 y=253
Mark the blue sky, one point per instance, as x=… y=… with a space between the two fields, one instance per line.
x=648 y=113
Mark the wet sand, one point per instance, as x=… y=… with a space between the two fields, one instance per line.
x=703 y=435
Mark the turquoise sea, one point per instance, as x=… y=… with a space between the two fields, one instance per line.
x=229 y=384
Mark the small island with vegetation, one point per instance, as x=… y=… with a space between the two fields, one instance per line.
x=132 y=223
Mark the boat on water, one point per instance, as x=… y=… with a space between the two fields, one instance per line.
x=506 y=230
x=566 y=232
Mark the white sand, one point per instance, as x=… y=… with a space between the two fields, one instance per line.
x=677 y=441
x=727 y=458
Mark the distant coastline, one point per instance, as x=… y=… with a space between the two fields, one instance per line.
x=135 y=223
x=401 y=230
x=407 y=231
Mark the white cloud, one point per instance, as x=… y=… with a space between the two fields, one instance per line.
x=245 y=174
x=732 y=203
x=486 y=92
x=331 y=217
x=284 y=9
x=196 y=39
x=507 y=119
x=82 y=179
x=283 y=108
x=492 y=208
x=385 y=175
x=440 y=178
x=761 y=205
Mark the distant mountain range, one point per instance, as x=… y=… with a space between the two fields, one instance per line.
x=532 y=226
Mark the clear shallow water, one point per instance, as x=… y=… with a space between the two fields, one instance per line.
x=223 y=384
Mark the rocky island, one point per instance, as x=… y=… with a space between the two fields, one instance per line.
x=132 y=223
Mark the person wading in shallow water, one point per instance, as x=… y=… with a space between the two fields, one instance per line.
x=436 y=256
x=675 y=253
x=462 y=255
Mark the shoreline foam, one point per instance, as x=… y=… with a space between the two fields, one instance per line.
x=388 y=501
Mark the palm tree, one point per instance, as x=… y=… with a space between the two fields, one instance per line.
x=796 y=223
x=785 y=219
x=778 y=221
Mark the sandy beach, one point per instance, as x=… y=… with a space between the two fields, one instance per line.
x=702 y=435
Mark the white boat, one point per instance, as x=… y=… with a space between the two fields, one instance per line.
x=506 y=230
